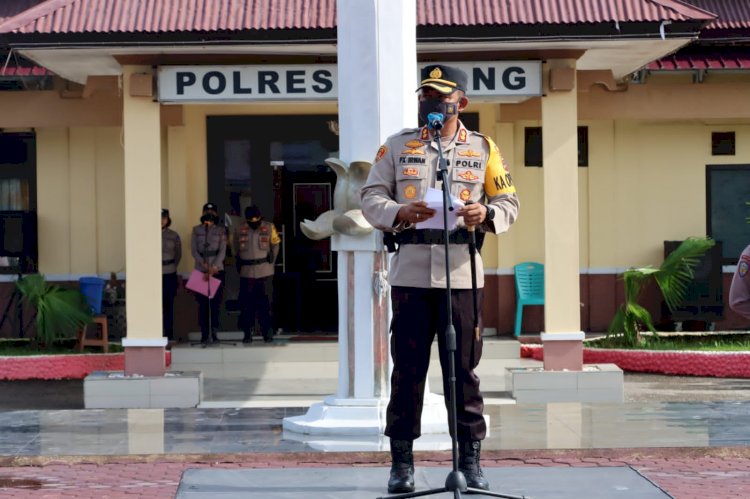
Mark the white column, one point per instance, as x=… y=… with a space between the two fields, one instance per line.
x=378 y=79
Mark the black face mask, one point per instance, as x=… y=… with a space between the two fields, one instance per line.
x=209 y=217
x=447 y=109
x=253 y=225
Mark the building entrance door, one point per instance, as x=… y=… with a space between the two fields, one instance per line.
x=278 y=164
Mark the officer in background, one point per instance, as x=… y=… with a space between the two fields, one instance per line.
x=404 y=168
x=256 y=246
x=208 y=245
x=171 y=253
x=739 y=292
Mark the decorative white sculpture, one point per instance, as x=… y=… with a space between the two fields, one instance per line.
x=346 y=216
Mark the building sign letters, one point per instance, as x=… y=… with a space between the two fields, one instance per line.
x=319 y=81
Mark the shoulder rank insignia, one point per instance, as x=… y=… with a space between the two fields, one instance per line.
x=469 y=153
x=412 y=151
x=467 y=175
x=410 y=172
x=380 y=154
x=413 y=144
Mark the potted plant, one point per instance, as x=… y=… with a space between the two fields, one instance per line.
x=60 y=312
x=672 y=277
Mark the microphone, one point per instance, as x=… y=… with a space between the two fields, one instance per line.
x=435 y=121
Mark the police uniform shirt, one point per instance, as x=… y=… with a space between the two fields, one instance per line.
x=171 y=251
x=258 y=248
x=216 y=249
x=405 y=167
x=739 y=292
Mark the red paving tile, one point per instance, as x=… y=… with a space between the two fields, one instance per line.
x=716 y=473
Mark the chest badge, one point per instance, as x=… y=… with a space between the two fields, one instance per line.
x=413 y=144
x=465 y=195
x=468 y=176
x=410 y=192
x=469 y=153
x=410 y=172
x=412 y=151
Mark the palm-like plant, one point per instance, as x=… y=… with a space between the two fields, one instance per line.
x=672 y=277
x=60 y=312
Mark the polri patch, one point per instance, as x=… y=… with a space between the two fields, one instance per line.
x=381 y=153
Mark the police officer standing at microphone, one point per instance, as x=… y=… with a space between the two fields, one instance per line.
x=256 y=246
x=208 y=245
x=404 y=168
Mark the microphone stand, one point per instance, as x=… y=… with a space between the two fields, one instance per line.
x=455 y=481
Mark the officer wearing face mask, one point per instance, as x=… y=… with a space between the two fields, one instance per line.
x=404 y=168
x=256 y=244
x=208 y=245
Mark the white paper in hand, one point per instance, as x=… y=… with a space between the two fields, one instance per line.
x=434 y=199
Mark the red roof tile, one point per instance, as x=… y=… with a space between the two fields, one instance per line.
x=157 y=16
x=704 y=58
x=14 y=70
x=733 y=14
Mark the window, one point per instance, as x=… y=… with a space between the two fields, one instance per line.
x=18 y=251
x=533 y=154
x=728 y=192
x=722 y=144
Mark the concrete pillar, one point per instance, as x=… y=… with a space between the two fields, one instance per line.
x=562 y=338
x=378 y=79
x=144 y=344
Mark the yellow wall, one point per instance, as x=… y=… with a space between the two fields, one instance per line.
x=80 y=199
x=645 y=182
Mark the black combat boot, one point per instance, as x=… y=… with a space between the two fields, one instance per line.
x=402 y=467
x=468 y=463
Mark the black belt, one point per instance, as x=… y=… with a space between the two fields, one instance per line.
x=168 y=262
x=429 y=236
x=209 y=253
x=254 y=261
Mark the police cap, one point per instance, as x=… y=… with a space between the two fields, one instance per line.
x=444 y=79
x=252 y=213
x=164 y=213
x=209 y=207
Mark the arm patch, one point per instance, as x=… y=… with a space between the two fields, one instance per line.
x=497 y=179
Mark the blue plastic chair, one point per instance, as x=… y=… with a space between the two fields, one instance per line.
x=529 y=277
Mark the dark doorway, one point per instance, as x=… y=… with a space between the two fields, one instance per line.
x=278 y=163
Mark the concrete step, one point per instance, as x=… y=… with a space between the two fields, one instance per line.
x=289 y=360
